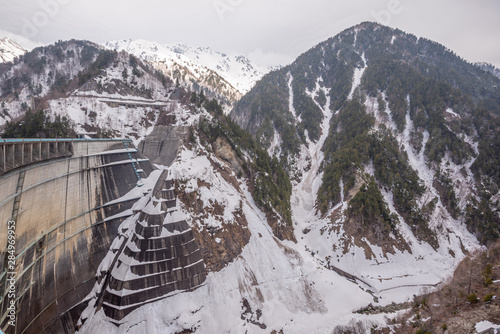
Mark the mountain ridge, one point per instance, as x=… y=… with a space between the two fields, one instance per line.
x=228 y=76
x=238 y=70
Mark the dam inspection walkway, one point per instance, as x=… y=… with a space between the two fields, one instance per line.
x=16 y=153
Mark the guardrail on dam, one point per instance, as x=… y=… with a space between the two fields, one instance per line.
x=16 y=153
x=55 y=194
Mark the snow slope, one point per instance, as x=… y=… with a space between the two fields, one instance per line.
x=356 y=80
x=40 y=82
x=394 y=278
x=112 y=111
x=9 y=50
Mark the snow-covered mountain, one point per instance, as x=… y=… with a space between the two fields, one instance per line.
x=98 y=91
x=392 y=185
x=387 y=143
x=9 y=50
x=379 y=174
x=232 y=75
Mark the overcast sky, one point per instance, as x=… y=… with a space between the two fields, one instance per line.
x=269 y=32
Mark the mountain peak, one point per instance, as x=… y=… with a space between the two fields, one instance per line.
x=367 y=99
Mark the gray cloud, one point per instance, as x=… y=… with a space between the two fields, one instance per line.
x=271 y=31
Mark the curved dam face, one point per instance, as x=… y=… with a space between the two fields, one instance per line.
x=57 y=224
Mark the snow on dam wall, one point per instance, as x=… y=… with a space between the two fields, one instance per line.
x=63 y=226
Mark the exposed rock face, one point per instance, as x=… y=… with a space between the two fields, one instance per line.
x=219 y=246
x=162 y=144
x=224 y=151
x=281 y=230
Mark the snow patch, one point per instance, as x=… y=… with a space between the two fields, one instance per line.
x=358 y=73
x=290 y=98
x=275 y=148
x=9 y=50
x=451 y=112
x=485 y=325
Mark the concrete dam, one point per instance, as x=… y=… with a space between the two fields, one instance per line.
x=61 y=207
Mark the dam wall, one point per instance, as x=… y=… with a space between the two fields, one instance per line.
x=55 y=195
